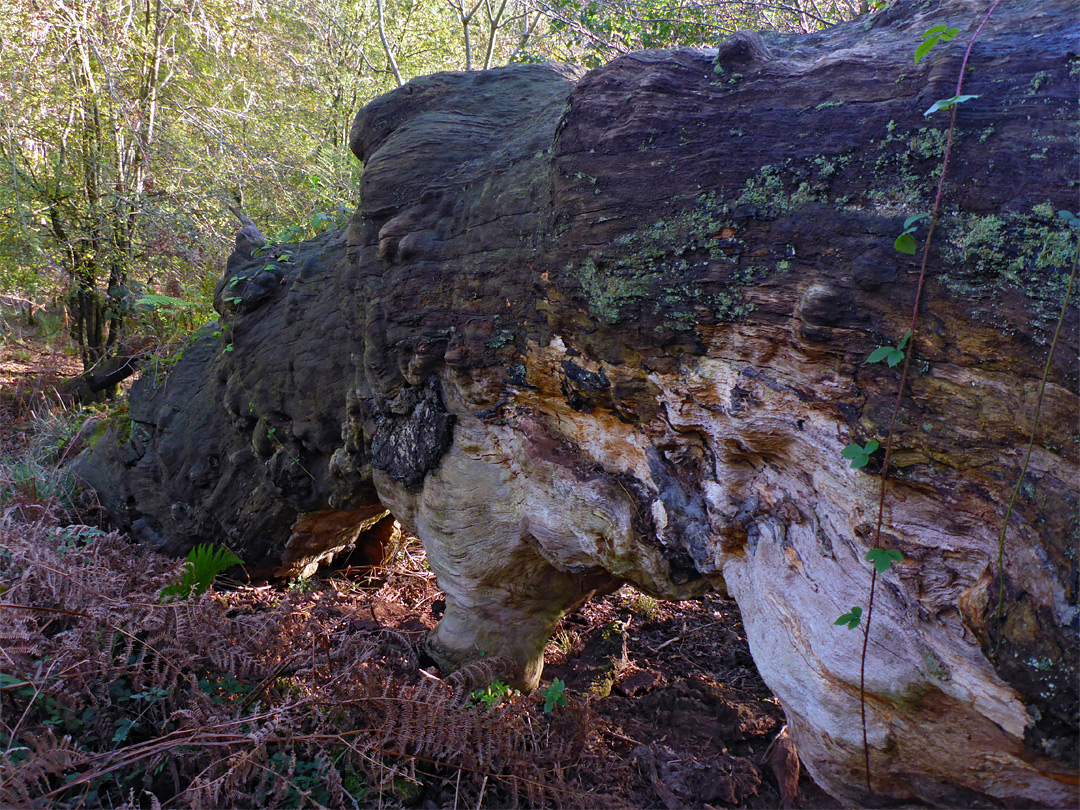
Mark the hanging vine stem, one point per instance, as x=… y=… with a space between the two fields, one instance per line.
x=903 y=382
x=1031 y=444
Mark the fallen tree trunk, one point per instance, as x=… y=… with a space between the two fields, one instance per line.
x=94 y=383
x=587 y=330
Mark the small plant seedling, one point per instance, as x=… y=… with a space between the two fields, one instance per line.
x=493 y=695
x=905 y=242
x=1071 y=219
x=554 y=695
x=889 y=354
x=860 y=455
x=302 y=585
x=201 y=567
x=939 y=33
x=883 y=558
x=946 y=104
x=851 y=618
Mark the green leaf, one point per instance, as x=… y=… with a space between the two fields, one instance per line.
x=122 y=729
x=853 y=451
x=905 y=243
x=883 y=558
x=946 y=104
x=554 y=695
x=925 y=48
x=879 y=354
x=895 y=356
x=949 y=34
x=860 y=456
x=903 y=341
x=937 y=29
x=912 y=220
x=851 y=618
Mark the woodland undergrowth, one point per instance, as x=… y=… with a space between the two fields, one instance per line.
x=244 y=697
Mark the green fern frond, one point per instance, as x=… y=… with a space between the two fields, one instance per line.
x=202 y=566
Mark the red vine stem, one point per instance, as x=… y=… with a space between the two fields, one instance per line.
x=903 y=382
x=1031 y=444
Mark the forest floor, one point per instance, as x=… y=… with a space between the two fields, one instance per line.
x=680 y=716
x=663 y=705
x=31 y=364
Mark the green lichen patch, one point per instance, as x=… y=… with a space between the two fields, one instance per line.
x=764 y=192
x=1038 y=81
x=902 y=180
x=650 y=261
x=669 y=268
x=1030 y=252
x=928 y=143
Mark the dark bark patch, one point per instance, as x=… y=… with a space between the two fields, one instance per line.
x=411 y=435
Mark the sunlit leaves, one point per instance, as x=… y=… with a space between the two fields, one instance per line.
x=946 y=104
x=201 y=568
x=939 y=33
x=905 y=242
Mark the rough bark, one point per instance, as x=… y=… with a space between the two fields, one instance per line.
x=585 y=330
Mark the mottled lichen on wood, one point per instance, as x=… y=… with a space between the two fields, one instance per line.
x=1031 y=253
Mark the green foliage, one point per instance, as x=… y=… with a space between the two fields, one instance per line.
x=493 y=694
x=225 y=689
x=947 y=104
x=883 y=558
x=939 y=33
x=860 y=455
x=851 y=618
x=201 y=567
x=1071 y=219
x=892 y=355
x=34 y=472
x=905 y=242
x=593 y=32
x=643 y=605
x=153 y=301
x=554 y=695
x=305 y=782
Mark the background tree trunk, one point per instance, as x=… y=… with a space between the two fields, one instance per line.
x=587 y=330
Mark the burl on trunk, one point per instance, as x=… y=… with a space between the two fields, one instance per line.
x=587 y=329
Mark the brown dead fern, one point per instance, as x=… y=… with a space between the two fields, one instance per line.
x=251 y=698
